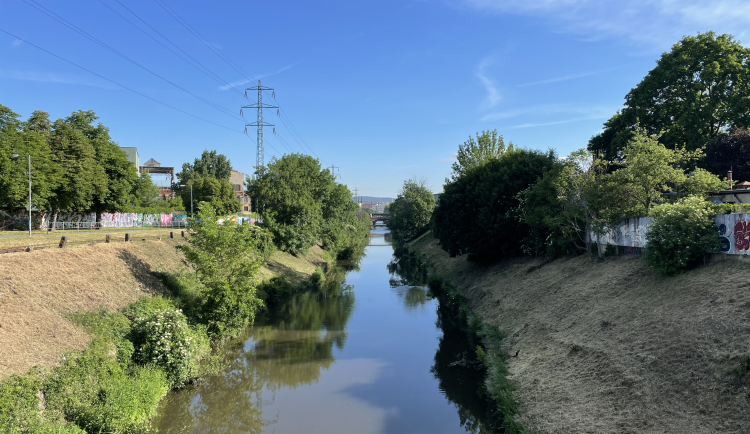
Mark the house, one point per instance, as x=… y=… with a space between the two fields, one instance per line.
x=237 y=179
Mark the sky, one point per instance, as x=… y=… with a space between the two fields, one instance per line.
x=383 y=91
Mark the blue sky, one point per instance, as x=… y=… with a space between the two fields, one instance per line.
x=383 y=90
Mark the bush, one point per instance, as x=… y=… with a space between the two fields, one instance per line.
x=162 y=337
x=101 y=394
x=681 y=234
x=274 y=290
x=263 y=241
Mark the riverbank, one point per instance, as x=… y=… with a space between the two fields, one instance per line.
x=40 y=289
x=611 y=347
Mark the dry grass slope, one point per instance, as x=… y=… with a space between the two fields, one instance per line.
x=39 y=289
x=613 y=348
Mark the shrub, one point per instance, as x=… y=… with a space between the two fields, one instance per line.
x=274 y=290
x=680 y=234
x=263 y=241
x=162 y=337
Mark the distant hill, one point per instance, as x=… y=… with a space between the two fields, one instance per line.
x=371 y=199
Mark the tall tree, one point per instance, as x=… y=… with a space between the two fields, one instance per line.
x=81 y=176
x=21 y=138
x=729 y=152
x=472 y=153
x=697 y=90
x=411 y=211
x=115 y=188
x=210 y=165
x=477 y=214
x=219 y=194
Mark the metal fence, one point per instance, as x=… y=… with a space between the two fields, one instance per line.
x=79 y=226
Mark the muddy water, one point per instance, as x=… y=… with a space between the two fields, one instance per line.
x=370 y=354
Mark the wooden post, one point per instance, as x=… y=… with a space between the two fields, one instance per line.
x=63 y=242
x=108 y=238
x=171 y=235
x=183 y=234
x=127 y=237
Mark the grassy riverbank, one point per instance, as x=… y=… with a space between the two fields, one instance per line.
x=73 y=356
x=612 y=347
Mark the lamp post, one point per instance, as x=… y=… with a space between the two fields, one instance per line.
x=191 y=199
x=16 y=156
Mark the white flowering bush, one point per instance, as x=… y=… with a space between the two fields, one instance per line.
x=163 y=337
x=681 y=234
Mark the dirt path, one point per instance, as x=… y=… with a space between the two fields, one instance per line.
x=612 y=347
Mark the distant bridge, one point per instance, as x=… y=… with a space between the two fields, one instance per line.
x=379 y=217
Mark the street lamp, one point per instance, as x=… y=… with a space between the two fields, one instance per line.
x=191 y=199
x=16 y=156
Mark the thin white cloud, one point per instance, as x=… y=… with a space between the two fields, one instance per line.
x=450 y=159
x=493 y=94
x=654 y=23
x=558 y=79
x=593 y=112
x=16 y=43
x=246 y=81
x=48 y=77
x=545 y=124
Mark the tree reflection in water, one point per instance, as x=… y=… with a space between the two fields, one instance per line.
x=285 y=348
x=462 y=386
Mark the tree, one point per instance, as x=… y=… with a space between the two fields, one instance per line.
x=20 y=138
x=477 y=214
x=696 y=91
x=489 y=145
x=226 y=262
x=218 y=194
x=81 y=177
x=209 y=165
x=288 y=194
x=729 y=152
x=116 y=186
x=411 y=211
x=648 y=171
x=342 y=232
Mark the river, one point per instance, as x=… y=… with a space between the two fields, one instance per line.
x=371 y=353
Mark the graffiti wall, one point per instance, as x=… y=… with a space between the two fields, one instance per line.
x=733 y=231
x=20 y=220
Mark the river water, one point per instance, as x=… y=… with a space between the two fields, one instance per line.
x=371 y=353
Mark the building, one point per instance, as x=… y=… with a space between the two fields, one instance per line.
x=152 y=166
x=132 y=154
x=237 y=179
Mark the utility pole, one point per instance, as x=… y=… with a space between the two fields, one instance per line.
x=333 y=168
x=356 y=197
x=259 y=124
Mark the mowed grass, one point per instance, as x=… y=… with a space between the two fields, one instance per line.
x=41 y=238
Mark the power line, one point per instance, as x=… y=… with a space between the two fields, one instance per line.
x=260 y=124
x=116 y=83
x=237 y=68
x=205 y=42
x=82 y=32
x=206 y=71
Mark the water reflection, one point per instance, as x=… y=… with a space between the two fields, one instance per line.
x=462 y=386
x=286 y=348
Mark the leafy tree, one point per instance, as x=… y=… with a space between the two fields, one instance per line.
x=729 y=152
x=210 y=165
x=648 y=171
x=301 y=204
x=680 y=234
x=219 y=194
x=411 y=211
x=19 y=138
x=226 y=262
x=472 y=153
x=477 y=214
x=289 y=194
x=82 y=177
x=696 y=91
x=116 y=186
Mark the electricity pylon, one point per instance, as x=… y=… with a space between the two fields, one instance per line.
x=259 y=157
